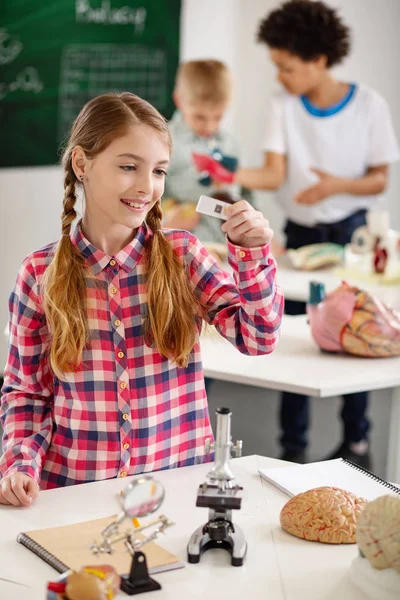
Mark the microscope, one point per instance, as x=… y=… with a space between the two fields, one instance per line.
x=220 y=497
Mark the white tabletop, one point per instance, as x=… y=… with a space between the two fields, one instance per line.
x=295 y=283
x=278 y=566
x=298 y=365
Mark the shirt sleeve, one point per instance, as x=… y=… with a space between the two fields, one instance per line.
x=275 y=138
x=382 y=143
x=27 y=393
x=247 y=308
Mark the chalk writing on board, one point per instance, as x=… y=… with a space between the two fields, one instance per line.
x=10 y=47
x=27 y=80
x=105 y=15
x=91 y=47
x=88 y=70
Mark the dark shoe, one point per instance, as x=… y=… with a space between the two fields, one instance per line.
x=344 y=451
x=297 y=456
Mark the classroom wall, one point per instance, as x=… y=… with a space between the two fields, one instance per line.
x=31 y=198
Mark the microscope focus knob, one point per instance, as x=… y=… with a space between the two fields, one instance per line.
x=237 y=448
x=208 y=446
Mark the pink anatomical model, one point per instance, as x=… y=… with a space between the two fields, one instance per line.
x=351 y=320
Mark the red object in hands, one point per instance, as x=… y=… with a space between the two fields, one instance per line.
x=380 y=260
x=57 y=586
x=204 y=162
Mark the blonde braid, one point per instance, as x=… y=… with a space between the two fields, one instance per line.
x=154 y=217
x=64 y=292
x=69 y=213
x=172 y=307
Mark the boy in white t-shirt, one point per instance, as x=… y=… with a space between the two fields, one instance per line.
x=328 y=148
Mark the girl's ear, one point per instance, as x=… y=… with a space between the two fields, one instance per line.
x=79 y=161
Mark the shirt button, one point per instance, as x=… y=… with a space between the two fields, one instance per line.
x=121 y=355
x=117 y=323
x=112 y=262
x=123 y=384
x=113 y=290
x=126 y=446
x=242 y=254
x=125 y=416
x=123 y=474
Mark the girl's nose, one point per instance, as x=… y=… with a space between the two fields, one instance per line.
x=144 y=183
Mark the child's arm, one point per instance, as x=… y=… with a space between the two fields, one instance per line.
x=273 y=173
x=27 y=394
x=269 y=177
x=372 y=183
x=246 y=310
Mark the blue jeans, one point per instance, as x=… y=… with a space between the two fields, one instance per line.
x=294 y=410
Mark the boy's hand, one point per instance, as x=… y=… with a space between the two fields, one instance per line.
x=246 y=226
x=18 y=489
x=327 y=186
x=216 y=171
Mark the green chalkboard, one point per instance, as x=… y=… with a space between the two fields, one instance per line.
x=57 y=54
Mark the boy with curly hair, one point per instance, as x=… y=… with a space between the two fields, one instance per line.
x=329 y=144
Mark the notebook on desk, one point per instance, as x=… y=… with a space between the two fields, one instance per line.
x=339 y=473
x=67 y=547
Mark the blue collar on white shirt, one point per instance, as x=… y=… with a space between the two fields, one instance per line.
x=315 y=111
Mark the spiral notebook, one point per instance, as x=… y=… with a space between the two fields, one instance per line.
x=67 y=547
x=339 y=473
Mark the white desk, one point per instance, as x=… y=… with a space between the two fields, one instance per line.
x=297 y=365
x=295 y=284
x=278 y=566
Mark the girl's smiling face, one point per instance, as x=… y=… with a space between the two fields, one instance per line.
x=123 y=182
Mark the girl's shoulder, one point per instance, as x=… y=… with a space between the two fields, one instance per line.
x=37 y=261
x=182 y=241
x=179 y=237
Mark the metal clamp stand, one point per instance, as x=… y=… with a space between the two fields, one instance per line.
x=138 y=580
x=221 y=498
x=142 y=497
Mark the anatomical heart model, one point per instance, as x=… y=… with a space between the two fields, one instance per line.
x=351 y=320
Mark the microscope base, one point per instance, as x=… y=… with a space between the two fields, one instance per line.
x=234 y=542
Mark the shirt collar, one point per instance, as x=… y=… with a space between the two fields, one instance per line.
x=127 y=258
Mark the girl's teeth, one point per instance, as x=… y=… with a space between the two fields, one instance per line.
x=135 y=205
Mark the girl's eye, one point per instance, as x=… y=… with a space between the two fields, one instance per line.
x=161 y=172
x=128 y=168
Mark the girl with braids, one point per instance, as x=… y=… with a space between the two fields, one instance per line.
x=104 y=376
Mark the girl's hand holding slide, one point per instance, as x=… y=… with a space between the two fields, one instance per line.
x=246 y=226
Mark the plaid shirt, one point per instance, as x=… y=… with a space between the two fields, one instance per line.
x=129 y=409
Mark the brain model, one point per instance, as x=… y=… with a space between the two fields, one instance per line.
x=351 y=320
x=324 y=514
x=378 y=533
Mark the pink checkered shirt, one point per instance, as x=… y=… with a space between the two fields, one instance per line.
x=129 y=409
